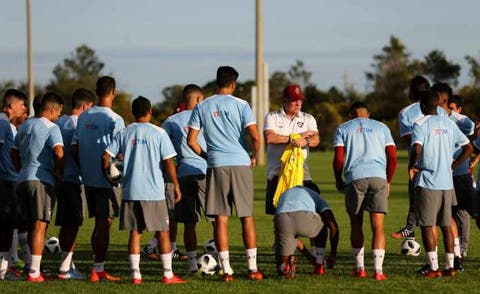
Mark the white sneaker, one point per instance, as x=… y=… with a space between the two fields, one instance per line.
x=71 y=274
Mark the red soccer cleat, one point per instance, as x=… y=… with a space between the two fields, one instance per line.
x=255 y=276
x=136 y=281
x=174 y=280
x=319 y=269
x=362 y=273
x=39 y=279
x=97 y=276
x=380 y=277
x=227 y=278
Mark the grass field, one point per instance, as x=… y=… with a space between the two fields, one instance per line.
x=400 y=269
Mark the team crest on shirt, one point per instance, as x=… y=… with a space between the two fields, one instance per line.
x=360 y=130
x=300 y=124
x=219 y=113
x=137 y=141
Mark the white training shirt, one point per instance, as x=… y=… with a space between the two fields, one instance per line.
x=280 y=123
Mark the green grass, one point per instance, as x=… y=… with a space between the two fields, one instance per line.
x=400 y=269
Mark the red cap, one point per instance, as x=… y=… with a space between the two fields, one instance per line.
x=293 y=93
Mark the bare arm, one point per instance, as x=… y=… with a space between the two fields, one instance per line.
x=253 y=133
x=59 y=161
x=414 y=158
x=172 y=172
x=273 y=138
x=466 y=151
x=193 y=143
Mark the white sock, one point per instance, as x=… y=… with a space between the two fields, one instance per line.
x=66 y=261
x=456 y=247
x=449 y=260
x=153 y=243
x=13 y=249
x=167 y=265
x=378 y=255
x=313 y=250
x=224 y=257
x=464 y=253
x=320 y=254
x=358 y=254
x=24 y=247
x=35 y=266
x=192 y=260
x=4 y=257
x=436 y=249
x=134 y=260
x=432 y=260
x=99 y=266
x=174 y=246
x=252 y=259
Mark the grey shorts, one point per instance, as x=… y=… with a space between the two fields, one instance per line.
x=144 y=215
x=69 y=204
x=8 y=204
x=228 y=186
x=433 y=207
x=465 y=193
x=192 y=204
x=36 y=200
x=289 y=226
x=368 y=194
x=101 y=202
x=170 y=197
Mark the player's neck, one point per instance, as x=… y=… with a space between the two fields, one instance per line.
x=105 y=102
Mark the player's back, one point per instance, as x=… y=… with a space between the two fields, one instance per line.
x=189 y=163
x=223 y=119
x=94 y=132
x=364 y=141
x=144 y=147
x=67 y=125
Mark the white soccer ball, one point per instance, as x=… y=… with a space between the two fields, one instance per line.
x=115 y=171
x=410 y=247
x=207 y=264
x=210 y=247
x=52 y=245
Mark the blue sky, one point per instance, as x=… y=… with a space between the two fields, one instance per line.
x=151 y=44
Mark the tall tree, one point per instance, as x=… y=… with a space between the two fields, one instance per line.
x=474 y=70
x=439 y=69
x=299 y=74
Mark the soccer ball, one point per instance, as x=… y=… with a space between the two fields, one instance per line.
x=410 y=247
x=115 y=171
x=52 y=245
x=210 y=247
x=207 y=264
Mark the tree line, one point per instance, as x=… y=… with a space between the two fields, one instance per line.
x=388 y=80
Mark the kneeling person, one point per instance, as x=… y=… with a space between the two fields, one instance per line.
x=302 y=212
x=145 y=147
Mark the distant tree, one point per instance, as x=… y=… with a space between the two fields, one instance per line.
x=474 y=70
x=439 y=69
x=277 y=82
x=299 y=75
x=81 y=69
x=390 y=77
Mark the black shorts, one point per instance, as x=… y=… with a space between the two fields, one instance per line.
x=8 y=205
x=69 y=204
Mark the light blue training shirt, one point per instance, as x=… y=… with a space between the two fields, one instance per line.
x=300 y=198
x=223 y=119
x=95 y=130
x=189 y=163
x=439 y=137
x=364 y=141
x=35 y=141
x=467 y=126
x=67 y=125
x=7 y=137
x=144 y=147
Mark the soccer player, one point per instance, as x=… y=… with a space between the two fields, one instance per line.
x=69 y=189
x=95 y=129
x=145 y=148
x=13 y=108
x=278 y=127
x=224 y=119
x=434 y=141
x=38 y=155
x=406 y=118
x=302 y=212
x=370 y=161
x=462 y=179
x=191 y=172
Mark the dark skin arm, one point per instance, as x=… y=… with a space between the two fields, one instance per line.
x=193 y=143
x=15 y=156
x=253 y=133
x=329 y=219
x=105 y=166
x=414 y=158
x=59 y=161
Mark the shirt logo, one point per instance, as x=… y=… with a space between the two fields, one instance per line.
x=300 y=124
x=219 y=113
x=91 y=127
x=360 y=130
x=438 y=131
x=139 y=141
